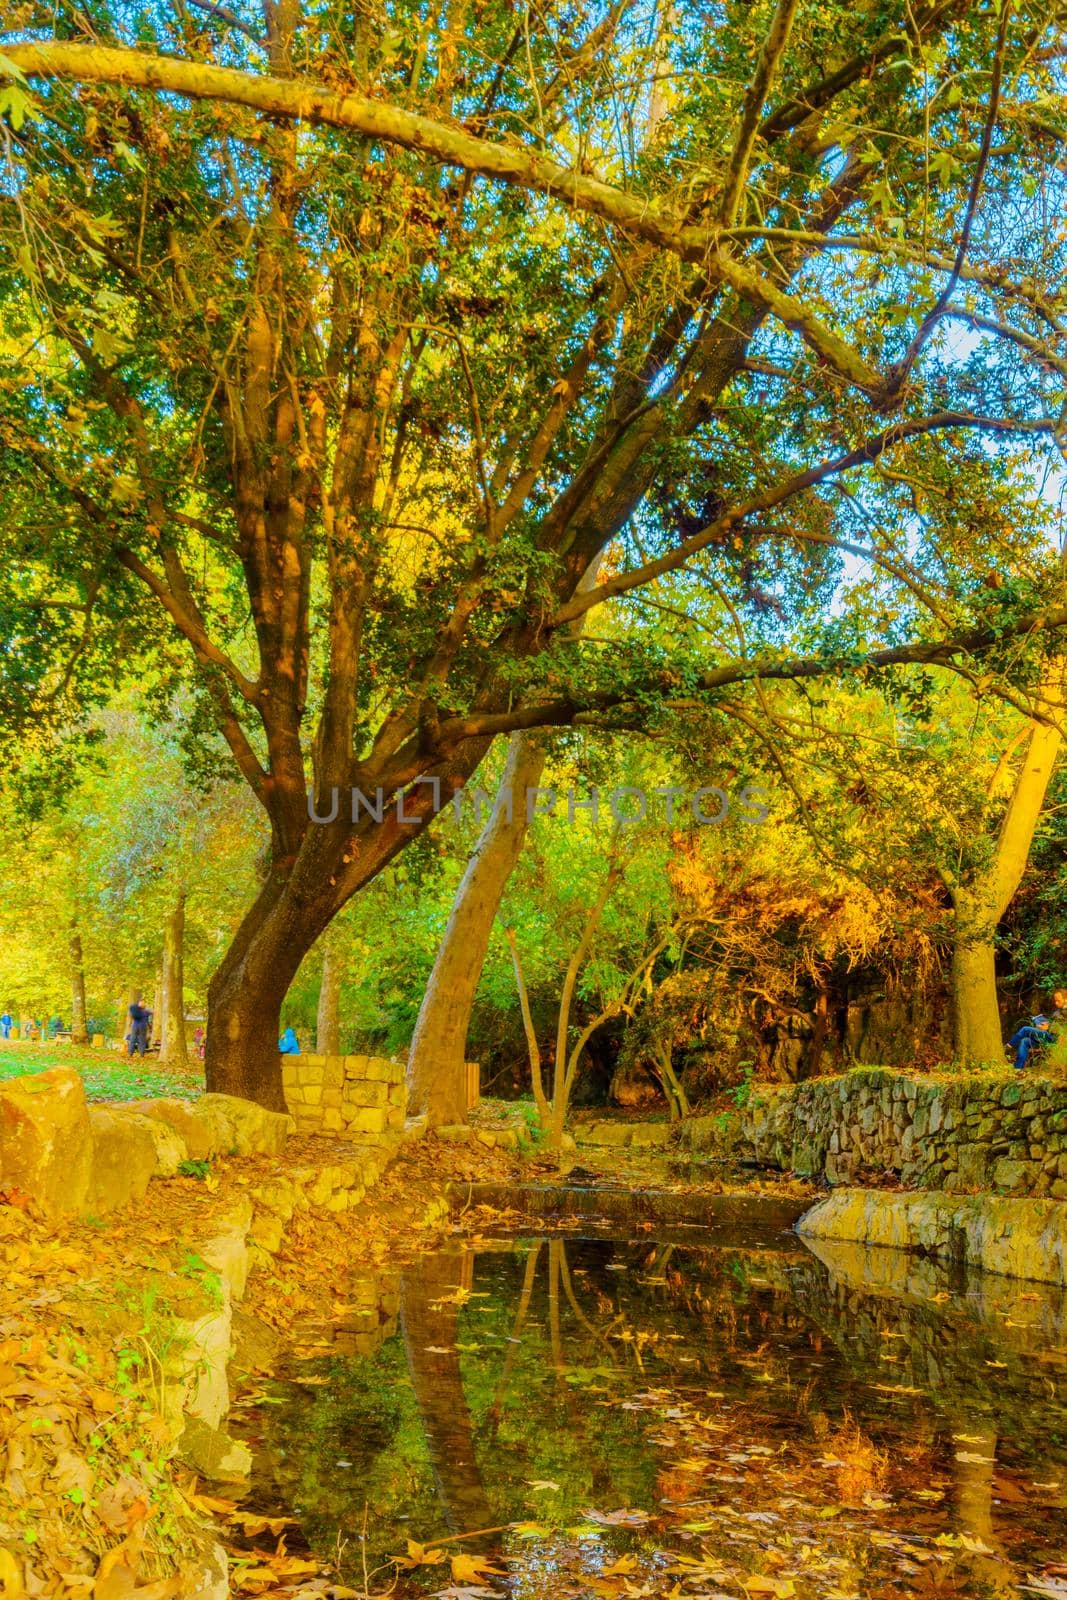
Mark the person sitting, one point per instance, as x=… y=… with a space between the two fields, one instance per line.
x=288 y=1045
x=1033 y=1035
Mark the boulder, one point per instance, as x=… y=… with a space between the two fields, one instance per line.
x=125 y=1157
x=202 y=1135
x=256 y=1131
x=46 y=1142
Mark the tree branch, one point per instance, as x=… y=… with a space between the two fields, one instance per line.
x=713 y=531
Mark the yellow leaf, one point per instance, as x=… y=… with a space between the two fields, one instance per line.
x=470 y=1569
x=619 y=1568
x=780 y=1588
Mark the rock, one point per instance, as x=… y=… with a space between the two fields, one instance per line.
x=46 y=1144
x=632 y=1086
x=645 y=1134
x=616 y=1135
x=1020 y=1238
x=125 y=1158
x=202 y=1135
x=256 y=1131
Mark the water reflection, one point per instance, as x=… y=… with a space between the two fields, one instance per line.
x=682 y=1421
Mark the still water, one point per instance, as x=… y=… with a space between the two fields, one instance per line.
x=645 y=1415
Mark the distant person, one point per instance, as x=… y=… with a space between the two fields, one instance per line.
x=138 y=1034
x=198 y=1043
x=1033 y=1035
x=7 y=1022
x=288 y=1044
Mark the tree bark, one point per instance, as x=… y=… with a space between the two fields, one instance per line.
x=328 y=1020
x=156 y=1035
x=174 y=1050
x=79 y=1032
x=436 y=1059
x=981 y=899
x=976 y=1015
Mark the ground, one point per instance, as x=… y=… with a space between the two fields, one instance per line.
x=87 y=1312
x=107 y=1074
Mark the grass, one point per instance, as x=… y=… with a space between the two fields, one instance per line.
x=107 y=1074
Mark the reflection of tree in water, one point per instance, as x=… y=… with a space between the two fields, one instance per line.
x=520 y=1367
x=430 y=1320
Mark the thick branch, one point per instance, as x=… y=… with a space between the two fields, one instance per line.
x=922 y=652
x=869 y=451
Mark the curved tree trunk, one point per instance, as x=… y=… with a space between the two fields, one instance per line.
x=174 y=1050
x=328 y=1020
x=983 y=897
x=79 y=1032
x=436 y=1060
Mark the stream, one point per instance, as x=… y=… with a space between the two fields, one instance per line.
x=634 y=1411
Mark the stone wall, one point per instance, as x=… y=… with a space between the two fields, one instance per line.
x=983 y=1131
x=78 y=1159
x=1018 y=1238
x=360 y=1096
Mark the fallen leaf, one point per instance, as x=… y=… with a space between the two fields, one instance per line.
x=468 y=1569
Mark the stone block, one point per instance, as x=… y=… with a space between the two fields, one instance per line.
x=46 y=1147
x=973 y=1165
x=256 y=1131
x=398 y=1094
x=332 y=1098
x=366 y=1119
x=199 y=1134
x=332 y=1121
x=312 y=1072
x=1012 y=1175
x=362 y=1092
x=313 y=1094
x=124 y=1159
x=376 y=1069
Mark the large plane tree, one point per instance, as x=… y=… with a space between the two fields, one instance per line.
x=339 y=341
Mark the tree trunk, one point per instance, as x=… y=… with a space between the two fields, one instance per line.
x=156 y=1036
x=436 y=1076
x=79 y=1032
x=328 y=1021
x=174 y=1050
x=981 y=899
x=296 y=904
x=976 y=1015
x=245 y=995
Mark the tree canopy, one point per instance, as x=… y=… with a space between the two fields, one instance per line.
x=339 y=344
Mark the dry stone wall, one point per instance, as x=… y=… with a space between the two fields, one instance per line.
x=983 y=1131
x=359 y=1096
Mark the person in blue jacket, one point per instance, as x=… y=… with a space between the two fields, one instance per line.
x=1033 y=1035
x=288 y=1045
x=6 y=1022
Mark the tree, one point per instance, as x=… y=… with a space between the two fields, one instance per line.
x=174 y=1047
x=438 y=1053
x=982 y=889
x=328 y=1021
x=356 y=423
